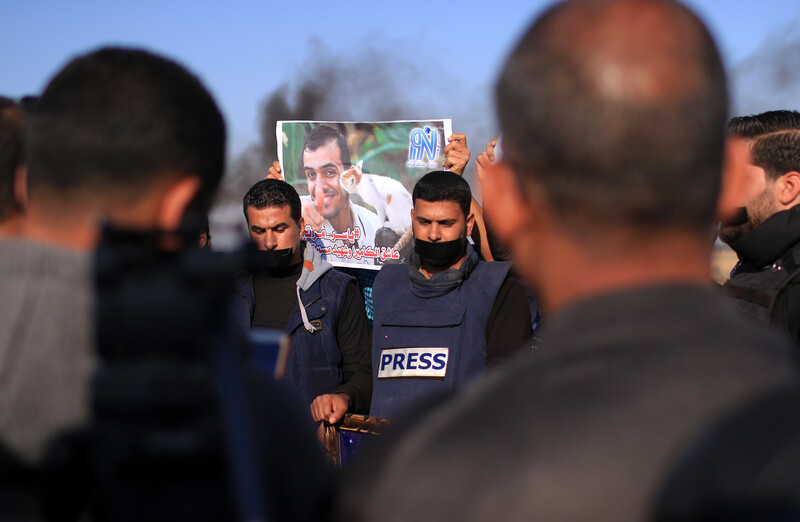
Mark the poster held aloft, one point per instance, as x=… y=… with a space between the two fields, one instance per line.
x=355 y=182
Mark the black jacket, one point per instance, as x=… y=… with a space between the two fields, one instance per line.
x=765 y=284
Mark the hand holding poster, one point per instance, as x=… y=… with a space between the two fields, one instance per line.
x=355 y=182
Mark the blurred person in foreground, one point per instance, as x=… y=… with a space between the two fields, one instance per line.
x=764 y=284
x=612 y=115
x=91 y=156
x=744 y=468
x=133 y=138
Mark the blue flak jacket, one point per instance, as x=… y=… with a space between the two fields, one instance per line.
x=416 y=319
x=315 y=362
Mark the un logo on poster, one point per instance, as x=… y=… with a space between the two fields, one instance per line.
x=422 y=143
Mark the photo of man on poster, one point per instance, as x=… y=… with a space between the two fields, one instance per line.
x=326 y=156
x=355 y=217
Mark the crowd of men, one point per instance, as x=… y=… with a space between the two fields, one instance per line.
x=636 y=397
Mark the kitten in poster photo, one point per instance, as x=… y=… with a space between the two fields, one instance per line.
x=390 y=199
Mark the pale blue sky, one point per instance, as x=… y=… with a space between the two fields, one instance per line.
x=243 y=50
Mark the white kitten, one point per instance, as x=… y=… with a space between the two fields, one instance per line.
x=390 y=199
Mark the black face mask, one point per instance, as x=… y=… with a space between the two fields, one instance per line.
x=276 y=258
x=441 y=253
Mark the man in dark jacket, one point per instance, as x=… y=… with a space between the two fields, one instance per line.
x=299 y=292
x=441 y=319
x=764 y=284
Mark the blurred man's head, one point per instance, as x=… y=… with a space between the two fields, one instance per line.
x=12 y=165
x=325 y=155
x=761 y=199
x=774 y=175
x=612 y=114
x=273 y=212
x=441 y=220
x=125 y=134
x=615 y=109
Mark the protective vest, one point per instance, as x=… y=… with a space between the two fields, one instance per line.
x=429 y=336
x=314 y=365
x=755 y=293
x=315 y=361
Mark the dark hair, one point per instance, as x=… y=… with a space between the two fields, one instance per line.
x=322 y=135
x=441 y=185
x=756 y=124
x=777 y=153
x=116 y=120
x=12 y=153
x=617 y=153
x=269 y=193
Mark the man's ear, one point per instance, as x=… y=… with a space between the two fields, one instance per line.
x=735 y=182
x=470 y=223
x=504 y=201
x=21 y=187
x=789 y=189
x=175 y=201
x=302 y=225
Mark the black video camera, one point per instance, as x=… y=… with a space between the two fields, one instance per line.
x=169 y=400
x=183 y=425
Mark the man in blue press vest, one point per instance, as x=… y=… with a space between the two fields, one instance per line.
x=441 y=319
x=299 y=292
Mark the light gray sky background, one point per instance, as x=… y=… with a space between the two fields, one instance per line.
x=445 y=53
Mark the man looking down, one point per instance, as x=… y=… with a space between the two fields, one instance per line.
x=299 y=292
x=441 y=319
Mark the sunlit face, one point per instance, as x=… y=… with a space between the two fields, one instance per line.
x=759 y=202
x=322 y=168
x=439 y=221
x=273 y=228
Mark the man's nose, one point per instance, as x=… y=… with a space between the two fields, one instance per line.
x=434 y=234
x=269 y=241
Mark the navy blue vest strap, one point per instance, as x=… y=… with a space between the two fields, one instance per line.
x=315 y=361
x=243 y=302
